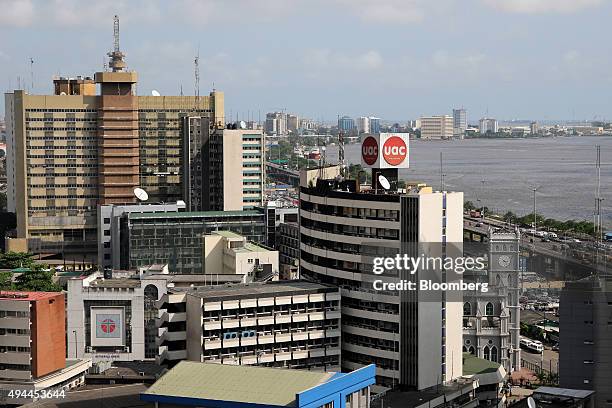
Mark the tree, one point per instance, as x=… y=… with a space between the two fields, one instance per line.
x=509 y=217
x=12 y=260
x=468 y=206
x=6 y=282
x=37 y=280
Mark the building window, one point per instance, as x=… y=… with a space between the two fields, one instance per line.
x=467 y=309
x=107 y=220
x=107 y=233
x=489 y=309
x=487 y=353
x=494 y=354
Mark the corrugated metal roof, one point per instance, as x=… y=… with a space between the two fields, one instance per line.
x=195 y=214
x=259 y=385
x=564 y=392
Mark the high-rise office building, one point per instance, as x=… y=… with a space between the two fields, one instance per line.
x=276 y=124
x=534 y=128
x=293 y=123
x=488 y=125
x=415 y=345
x=437 y=127
x=374 y=124
x=459 y=122
x=74 y=150
x=346 y=124
x=585 y=337
x=363 y=124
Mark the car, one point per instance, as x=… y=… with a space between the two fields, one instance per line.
x=479 y=224
x=555 y=347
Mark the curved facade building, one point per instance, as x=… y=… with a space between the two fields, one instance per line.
x=415 y=343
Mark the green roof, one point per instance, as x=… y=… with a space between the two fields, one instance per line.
x=194 y=214
x=21 y=270
x=473 y=365
x=247 y=384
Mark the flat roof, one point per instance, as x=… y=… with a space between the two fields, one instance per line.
x=227 y=234
x=251 y=247
x=246 y=290
x=563 y=392
x=115 y=283
x=246 y=384
x=195 y=214
x=27 y=296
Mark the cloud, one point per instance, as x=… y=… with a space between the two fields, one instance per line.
x=325 y=62
x=17 y=13
x=387 y=11
x=541 y=6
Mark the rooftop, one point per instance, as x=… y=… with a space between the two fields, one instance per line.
x=27 y=296
x=255 y=385
x=228 y=234
x=277 y=288
x=474 y=365
x=116 y=283
x=195 y=214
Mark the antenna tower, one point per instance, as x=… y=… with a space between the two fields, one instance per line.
x=196 y=69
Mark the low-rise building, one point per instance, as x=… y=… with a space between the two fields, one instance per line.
x=437 y=127
x=33 y=348
x=214 y=385
x=283 y=324
x=228 y=253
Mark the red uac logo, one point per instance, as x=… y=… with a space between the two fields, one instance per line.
x=108 y=325
x=394 y=150
x=369 y=150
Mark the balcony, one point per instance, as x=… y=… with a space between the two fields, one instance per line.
x=317 y=316
x=248 y=322
x=283 y=337
x=280 y=319
x=212 y=344
x=265 y=320
x=300 y=317
x=212 y=325
x=231 y=322
x=15 y=358
x=265 y=338
x=332 y=314
x=300 y=336
x=177 y=354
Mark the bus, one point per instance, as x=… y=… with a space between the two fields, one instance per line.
x=532 y=345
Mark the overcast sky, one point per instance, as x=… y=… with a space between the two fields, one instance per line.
x=396 y=59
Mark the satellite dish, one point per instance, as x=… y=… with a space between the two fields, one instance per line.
x=242 y=124
x=531 y=402
x=382 y=180
x=62 y=93
x=155 y=92
x=140 y=194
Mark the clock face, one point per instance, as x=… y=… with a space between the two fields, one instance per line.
x=504 y=261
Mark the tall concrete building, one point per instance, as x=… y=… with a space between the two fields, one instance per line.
x=488 y=125
x=415 y=344
x=74 y=150
x=585 y=323
x=436 y=127
x=223 y=169
x=374 y=124
x=276 y=124
x=491 y=320
x=363 y=124
x=459 y=122
x=346 y=124
x=293 y=123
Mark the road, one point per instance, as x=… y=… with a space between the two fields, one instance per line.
x=550 y=361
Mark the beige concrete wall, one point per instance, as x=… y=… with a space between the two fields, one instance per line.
x=213 y=253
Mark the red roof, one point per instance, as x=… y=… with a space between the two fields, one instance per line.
x=27 y=296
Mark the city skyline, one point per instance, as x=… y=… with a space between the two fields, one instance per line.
x=394 y=48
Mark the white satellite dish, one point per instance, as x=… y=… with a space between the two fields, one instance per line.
x=155 y=92
x=531 y=402
x=140 y=194
x=242 y=124
x=384 y=183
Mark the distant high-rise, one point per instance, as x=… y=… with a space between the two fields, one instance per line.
x=488 y=125
x=534 y=128
x=293 y=123
x=74 y=150
x=276 y=124
x=437 y=127
x=363 y=124
x=374 y=124
x=459 y=122
x=346 y=124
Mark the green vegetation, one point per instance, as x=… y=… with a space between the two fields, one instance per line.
x=38 y=278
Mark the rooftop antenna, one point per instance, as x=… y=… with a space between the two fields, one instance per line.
x=116 y=56
x=196 y=69
x=32 y=74
x=341 y=150
x=181 y=89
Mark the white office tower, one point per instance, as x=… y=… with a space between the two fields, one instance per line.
x=459 y=122
x=363 y=124
x=414 y=342
x=491 y=320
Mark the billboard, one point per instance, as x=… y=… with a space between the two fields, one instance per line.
x=107 y=326
x=385 y=151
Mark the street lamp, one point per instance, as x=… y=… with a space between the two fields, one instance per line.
x=535 y=214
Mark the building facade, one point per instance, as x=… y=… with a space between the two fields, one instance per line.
x=374 y=124
x=346 y=124
x=488 y=125
x=363 y=124
x=74 y=150
x=585 y=337
x=491 y=320
x=293 y=324
x=459 y=122
x=436 y=127
x=413 y=344
x=175 y=238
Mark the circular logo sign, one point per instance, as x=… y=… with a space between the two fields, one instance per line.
x=369 y=150
x=394 y=150
x=108 y=325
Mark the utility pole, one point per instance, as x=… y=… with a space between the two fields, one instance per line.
x=535 y=214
